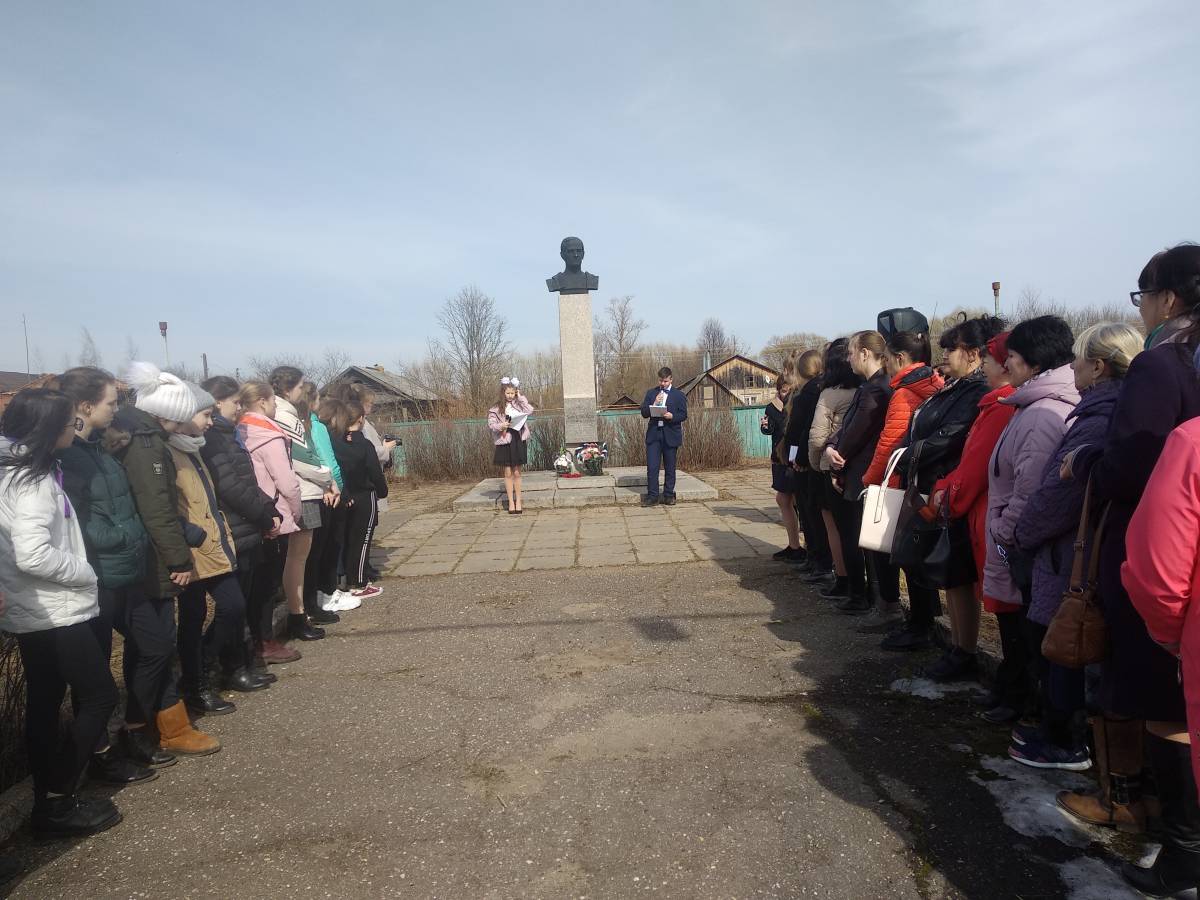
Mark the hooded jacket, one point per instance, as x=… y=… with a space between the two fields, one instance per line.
x=249 y=512
x=1018 y=463
x=827 y=419
x=360 y=465
x=151 y=471
x=911 y=386
x=44 y=570
x=966 y=486
x=116 y=540
x=1049 y=523
x=198 y=504
x=269 y=450
x=315 y=477
x=324 y=445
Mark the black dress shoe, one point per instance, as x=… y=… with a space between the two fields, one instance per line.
x=907 y=639
x=668 y=500
x=854 y=606
x=817 y=575
x=650 y=500
x=954 y=665
x=65 y=817
x=112 y=767
x=299 y=629
x=1167 y=877
x=839 y=590
x=143 y=748
x=323 y=617
x=1000 y=715
x=208 y=703
x=244 y=681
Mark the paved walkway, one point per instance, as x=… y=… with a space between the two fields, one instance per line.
x=745 y=523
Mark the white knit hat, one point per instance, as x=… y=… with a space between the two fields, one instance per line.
x=161 y=393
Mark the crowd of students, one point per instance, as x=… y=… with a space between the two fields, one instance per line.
x=131 y=518
x=1012 y=452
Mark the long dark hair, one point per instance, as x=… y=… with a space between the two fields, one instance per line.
x=84 y=384
x=284 y=378
x=838 y=373
x=1177 y=270
x=34 y=421
x=915 y=344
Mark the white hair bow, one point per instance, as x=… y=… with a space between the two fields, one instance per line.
x=506 y=381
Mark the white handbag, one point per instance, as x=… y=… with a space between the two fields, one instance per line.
x=881 y=510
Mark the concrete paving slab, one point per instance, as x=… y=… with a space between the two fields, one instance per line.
x=602 y=497
x=427 y=568
x=591 y=561
x=661 y=557
x=486 y=562
x=559 y=561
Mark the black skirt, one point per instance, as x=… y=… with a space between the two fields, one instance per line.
x=514 y=453
x=784 y=479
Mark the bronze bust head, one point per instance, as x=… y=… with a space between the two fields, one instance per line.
x=572 y=279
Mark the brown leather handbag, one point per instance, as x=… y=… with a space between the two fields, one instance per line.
x=1078 y=635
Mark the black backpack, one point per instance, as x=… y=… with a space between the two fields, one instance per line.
x=893 y=321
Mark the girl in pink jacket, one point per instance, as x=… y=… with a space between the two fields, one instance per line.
x=1162 y=575
x=510 y=433
x=268 y=447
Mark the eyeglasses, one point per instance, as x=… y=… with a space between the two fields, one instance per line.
x=1136 y=297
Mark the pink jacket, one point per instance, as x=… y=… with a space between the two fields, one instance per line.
x=499 y=428
x=1162 y=567
x=1018 y=463
x=268 y=446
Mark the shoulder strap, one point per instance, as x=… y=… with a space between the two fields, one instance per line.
x=1097 y=537
x=1081 y=541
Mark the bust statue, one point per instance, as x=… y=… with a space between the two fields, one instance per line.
x=572 y=279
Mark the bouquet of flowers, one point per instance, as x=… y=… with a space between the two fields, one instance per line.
x=592 y=456
x=564 y=464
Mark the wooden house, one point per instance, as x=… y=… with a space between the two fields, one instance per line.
x=396 y=398
x=736 y=381
x=623 y=402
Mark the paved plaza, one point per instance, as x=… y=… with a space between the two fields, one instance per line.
x=742 y=523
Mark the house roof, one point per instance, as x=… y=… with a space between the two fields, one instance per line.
x=689 y=386
x=751 y=362
x=389 y=382
x=622 y=402
x=14 y=381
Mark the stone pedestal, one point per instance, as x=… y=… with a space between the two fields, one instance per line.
x=578 y=367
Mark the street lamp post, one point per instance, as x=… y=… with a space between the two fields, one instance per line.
x=996 y=294
x=162 y=329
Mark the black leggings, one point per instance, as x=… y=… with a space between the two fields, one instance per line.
x=148 y=626
x=847 y=514
x=260 y=580
x=924 y=601
x=808 y=508
x=223 y=639
x=883 y=577
x=321 y=567
x=361 y=519
x=55 y=659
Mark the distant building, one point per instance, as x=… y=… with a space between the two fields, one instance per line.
x=397 y=399
x=623 y=402
x=11 y=382
x=736 y=381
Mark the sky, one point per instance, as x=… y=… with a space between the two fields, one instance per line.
x=275 y=177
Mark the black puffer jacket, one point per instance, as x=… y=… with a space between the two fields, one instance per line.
x=249 y=511
x=359 y=462
x=938 y=431
x=860 y=431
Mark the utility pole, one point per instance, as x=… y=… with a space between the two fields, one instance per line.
x=204 y=360
x=996 y=293
x=162 y=329
x=25 y=325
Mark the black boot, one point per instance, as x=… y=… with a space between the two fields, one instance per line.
x=243 y=681
x=141 y=746
x=857 y=604
x=65 y=817
x=256 y=665
x=1177 y=867
x=839 y=590
x=113 y=767
x=203 y=700
x=298 y=628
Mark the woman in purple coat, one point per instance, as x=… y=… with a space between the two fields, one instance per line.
x=1047 y=530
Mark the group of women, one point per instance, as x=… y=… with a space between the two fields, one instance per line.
x=1021 y=456
x=133 y=518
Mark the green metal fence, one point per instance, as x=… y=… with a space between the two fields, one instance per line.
x=754 y=442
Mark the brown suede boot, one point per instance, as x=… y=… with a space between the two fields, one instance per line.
x=177 y=735
x=1117 y=744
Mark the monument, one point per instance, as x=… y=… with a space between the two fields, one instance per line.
x=574 y=287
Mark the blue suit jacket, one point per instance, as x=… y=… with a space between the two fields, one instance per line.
x=672 y=430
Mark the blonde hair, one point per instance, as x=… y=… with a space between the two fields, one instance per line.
x=255 y=392
x=810 y=364
x=1114 y=343
x=869 y=340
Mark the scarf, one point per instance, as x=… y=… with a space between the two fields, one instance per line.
x=186 y=443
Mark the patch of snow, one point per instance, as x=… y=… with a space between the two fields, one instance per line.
x=962 y=748
x=1025 y=797
x=1090 y=879
x=931 y=690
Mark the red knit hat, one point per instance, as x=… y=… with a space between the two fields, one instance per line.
x=998 y=347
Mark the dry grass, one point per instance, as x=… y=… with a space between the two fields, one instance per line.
x=13 y=763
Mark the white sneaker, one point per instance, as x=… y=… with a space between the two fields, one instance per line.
x=328 y=602
x=345 y=601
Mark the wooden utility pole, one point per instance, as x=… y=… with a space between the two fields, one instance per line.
x=996 y=294
x=204 y=361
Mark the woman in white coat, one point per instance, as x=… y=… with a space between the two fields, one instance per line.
x=51 y=606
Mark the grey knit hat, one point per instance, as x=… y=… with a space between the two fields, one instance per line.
x=204 y=400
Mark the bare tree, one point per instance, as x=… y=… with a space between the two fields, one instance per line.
x=131 y=350
x=781 y=346
x=186 y=372
x=616 y=340
x=38 y=362
x=1031 y=305
x=262 y=366
x=717 y=341
x=476 y=345
x=333 y=362
x=89 y=353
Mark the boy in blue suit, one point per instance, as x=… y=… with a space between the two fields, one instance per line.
x=664 y=436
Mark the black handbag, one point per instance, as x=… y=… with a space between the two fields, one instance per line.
x=950 y=562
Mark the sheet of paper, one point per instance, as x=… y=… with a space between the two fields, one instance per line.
x=518 y=418
x=657 y=412
x=792 y=453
